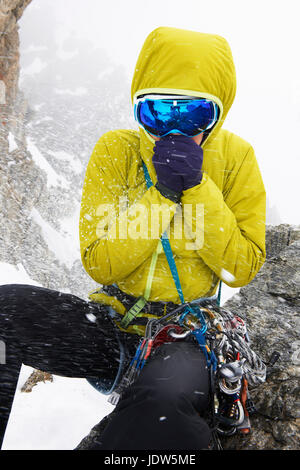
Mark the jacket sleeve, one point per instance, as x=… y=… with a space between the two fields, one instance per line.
x=116 y=238
x=234 y=222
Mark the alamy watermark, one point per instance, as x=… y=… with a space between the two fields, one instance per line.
x=140 y=222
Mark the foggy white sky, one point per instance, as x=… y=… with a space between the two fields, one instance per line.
x=265 y=40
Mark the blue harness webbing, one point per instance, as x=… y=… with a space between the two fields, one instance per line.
x=198 y=333
x=168 y=251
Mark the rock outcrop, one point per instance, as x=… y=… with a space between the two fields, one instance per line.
x=46 y=141
x=17 y=193
x=270 y=304
x=10 y=13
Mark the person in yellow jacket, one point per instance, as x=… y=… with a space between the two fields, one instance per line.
x=184 y=178
x=229 y=226
x=167 y=212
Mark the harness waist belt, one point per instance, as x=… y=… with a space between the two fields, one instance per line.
x=153 y=308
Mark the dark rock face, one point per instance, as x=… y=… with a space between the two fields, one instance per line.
x=270 y=304
x=278 y=237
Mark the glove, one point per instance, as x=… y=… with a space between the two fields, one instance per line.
x=177 y=160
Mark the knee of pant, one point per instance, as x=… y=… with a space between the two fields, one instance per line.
x=6 y=288
x=166 y=402
x=15 y=294
x=178 y=394
x=165 y=394
x=9 y=290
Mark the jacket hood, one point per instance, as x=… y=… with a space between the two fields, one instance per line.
x=185 y=62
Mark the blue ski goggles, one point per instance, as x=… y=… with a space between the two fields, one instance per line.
x=160 y=115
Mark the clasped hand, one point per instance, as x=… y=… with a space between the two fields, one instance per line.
x=178 y=162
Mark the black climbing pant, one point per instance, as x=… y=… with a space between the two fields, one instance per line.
x=57 y=333
x=164 y=408
x=64 y=335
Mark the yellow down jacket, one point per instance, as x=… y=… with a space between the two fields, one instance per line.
x=231 y=196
